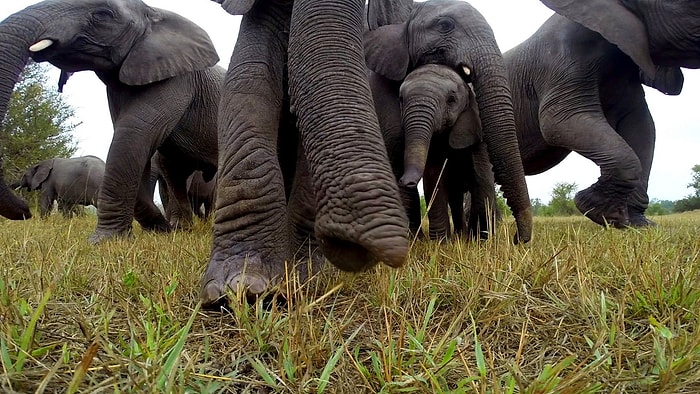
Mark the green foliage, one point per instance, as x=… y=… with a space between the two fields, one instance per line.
x=695 y=184
x=38 y=124
x=562 y=203
x=659 y=207
x=501 y=204
x=692 y=201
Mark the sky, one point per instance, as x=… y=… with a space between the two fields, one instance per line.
x=677 y=118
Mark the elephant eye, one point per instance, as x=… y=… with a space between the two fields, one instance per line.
x=445 y=25
x=102 y=15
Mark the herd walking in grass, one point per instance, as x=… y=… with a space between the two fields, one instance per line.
x=309 y=149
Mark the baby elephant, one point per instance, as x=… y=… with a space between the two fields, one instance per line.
x=440 y=121
x=70 y=182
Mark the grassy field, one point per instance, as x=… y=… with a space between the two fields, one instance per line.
x=580 y=309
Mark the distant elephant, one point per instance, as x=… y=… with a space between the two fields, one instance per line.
x=70 y=182
x=441 y=122
x=577 y=86
x=452 y=33
x=162 y=86
x=301 y=162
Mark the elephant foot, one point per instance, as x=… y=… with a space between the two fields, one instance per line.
x=604 y=204
x=245 y=277
x=639 y=220
x=99 y=236
x=156 y=225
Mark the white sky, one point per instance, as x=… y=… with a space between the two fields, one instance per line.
x=677 y=118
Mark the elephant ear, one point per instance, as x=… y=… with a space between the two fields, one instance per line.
x=467 y=130
x=40 y=174
x=668 y=80
x=236 y=7
x=172 y=45
x=615 y=23
x=386 y=51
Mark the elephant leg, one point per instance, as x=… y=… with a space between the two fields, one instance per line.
x=435 y=193
x=638 y=130
x=146 y=212
x=251 y=239
x=128 y=157
x=46 y=202
x=482 y=217
x=411 y=202
x=589 y=134
x=179 y=207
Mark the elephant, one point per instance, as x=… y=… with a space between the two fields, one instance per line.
x=200 y=194
x=163 y=89
x=70 y=182
x=440 y=121
x=302 y=167
x=455 y=35
x=577 y=86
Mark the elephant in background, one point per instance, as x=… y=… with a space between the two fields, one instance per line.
x=200 y=195
x=302 y=165
x=440 y=120
x=454 y=34
x=162 y=85
x=70 y=182
x=577 y=86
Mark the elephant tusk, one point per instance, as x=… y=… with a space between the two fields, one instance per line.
x=41 y=45
x=466 y=70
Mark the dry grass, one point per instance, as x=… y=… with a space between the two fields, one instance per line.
x=580 y=309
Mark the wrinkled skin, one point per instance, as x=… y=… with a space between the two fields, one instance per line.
x=70 y=182
x=162 y=87
x=291 y=176
x=454 y=34
x=441 y=122
x=200 y=196
x=577 y=85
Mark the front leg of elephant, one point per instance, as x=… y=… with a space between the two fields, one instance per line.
x=127 y=161
x=436 y=198
x=481 y=186
x=48 y=195
x=146 y=212
x=251 y=230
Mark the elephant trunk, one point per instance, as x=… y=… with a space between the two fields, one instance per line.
x=498 y=124
x=360 y=219
x=17 y=33
x=419 y=124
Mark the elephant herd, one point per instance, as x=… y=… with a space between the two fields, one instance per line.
x=332 y=111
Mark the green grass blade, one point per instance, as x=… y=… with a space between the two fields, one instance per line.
x=167 y=372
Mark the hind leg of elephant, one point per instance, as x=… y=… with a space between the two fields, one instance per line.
x=638 y=130
x=146 y=212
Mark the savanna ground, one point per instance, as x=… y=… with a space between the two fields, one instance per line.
x=580 y=309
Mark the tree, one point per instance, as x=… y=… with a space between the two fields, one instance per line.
x=562 y=203
x=38 y=124
x=695 y=184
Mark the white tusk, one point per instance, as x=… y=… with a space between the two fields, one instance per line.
x=466 y=70
x=41 y=45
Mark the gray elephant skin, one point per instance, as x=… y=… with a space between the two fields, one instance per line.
x=162 y=86
x=577 y=86
x=454 y=34
x=70 y=182
x=440 y=117
x=302 y=161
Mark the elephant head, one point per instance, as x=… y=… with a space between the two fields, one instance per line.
x=659 y=36
x=125 y=41
x=435 y=102
x=454 y=34
x=36 y=175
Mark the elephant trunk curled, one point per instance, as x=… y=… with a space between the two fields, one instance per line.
x=17 y=33
x=338 y=125
x=419 y=122
x=498 y=125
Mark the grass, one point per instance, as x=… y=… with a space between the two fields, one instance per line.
x=580 y=309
